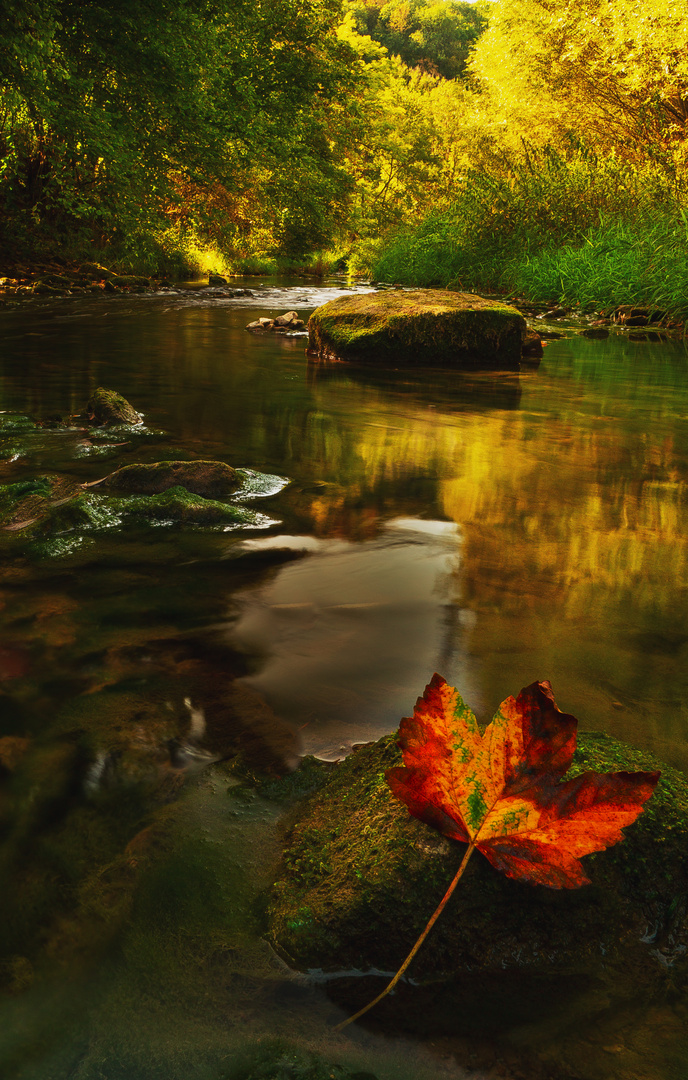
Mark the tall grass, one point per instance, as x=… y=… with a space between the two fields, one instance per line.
x=552 y=227
x=644 y=263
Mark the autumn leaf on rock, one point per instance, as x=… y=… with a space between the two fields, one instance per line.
x=502 y=791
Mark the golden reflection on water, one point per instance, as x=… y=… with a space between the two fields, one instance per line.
x=497 y=530
x=574 y=557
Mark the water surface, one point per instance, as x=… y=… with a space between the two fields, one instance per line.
x=497 y=529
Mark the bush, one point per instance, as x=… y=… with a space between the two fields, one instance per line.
x=575 y=227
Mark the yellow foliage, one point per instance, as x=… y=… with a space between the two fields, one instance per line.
x=608 y=69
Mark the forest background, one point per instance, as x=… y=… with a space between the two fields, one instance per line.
x=535 y=147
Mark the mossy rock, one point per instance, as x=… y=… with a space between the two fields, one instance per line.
x=361 y=878
x=421 y=327
x=37 y=511
x=28 y=504
x=212 y=479
x=39 y=517
x=9 y=424
x=109 y=407
x=179 y=505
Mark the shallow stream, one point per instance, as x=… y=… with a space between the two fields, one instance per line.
x=495 y=528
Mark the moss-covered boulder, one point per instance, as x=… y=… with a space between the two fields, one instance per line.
x=421 y=327
x=109 y=407
x=212 y=479
x=179 y=505
x=361 y=877
x=28 y=503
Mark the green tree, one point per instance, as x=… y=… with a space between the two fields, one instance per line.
x=434 y=35
x=113 y=116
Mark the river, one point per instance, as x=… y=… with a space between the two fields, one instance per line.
x=495 y=528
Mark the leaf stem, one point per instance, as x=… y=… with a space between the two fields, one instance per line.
x=416 y=947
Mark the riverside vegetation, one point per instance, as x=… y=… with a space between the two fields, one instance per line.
x=535 y=149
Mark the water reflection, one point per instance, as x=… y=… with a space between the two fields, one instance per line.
x=496 y=531
x=347 y=637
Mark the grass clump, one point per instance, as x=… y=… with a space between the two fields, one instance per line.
x=551 y=226
x=615 y=263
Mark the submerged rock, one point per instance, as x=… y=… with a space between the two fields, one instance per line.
x=362 y=877
x=420 y=327
x=208 y=478
x=532 y=345
x=9 y=424
x=178 y=504
x=109 y=407
x=30 y=502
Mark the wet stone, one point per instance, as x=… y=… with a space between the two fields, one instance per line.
x=211 y=479
x=420 y=327
x=597 y=333
x=362 y=877
x=109 y=407
x=176 y=504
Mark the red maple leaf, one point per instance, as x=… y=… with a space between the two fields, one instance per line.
x=501 y=791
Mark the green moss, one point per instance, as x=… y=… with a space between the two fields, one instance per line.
x=424 y=327
x=371 y=875
x=10 y=424
x=11 y=495
x=49 y=506
x=178 y=504
x=109 y=407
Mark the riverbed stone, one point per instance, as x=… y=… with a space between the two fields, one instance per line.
x=290 y=319
x=361 y=877
x=36 y=515
x=419 y=327
x=211 y=479
x=176 y=504
x=26 y=502
x=109 y=407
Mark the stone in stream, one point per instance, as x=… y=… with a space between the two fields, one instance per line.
x=48 y=508
x=177 y=504
x=40 y=515
x=361 y=878
x=211 y=479
x=289 y=321
x=109 y=407
x=419 y=327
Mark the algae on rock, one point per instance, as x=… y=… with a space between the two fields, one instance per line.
x=178 y=504
x=423 y=327
x=49 y=506
x=109 y=407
